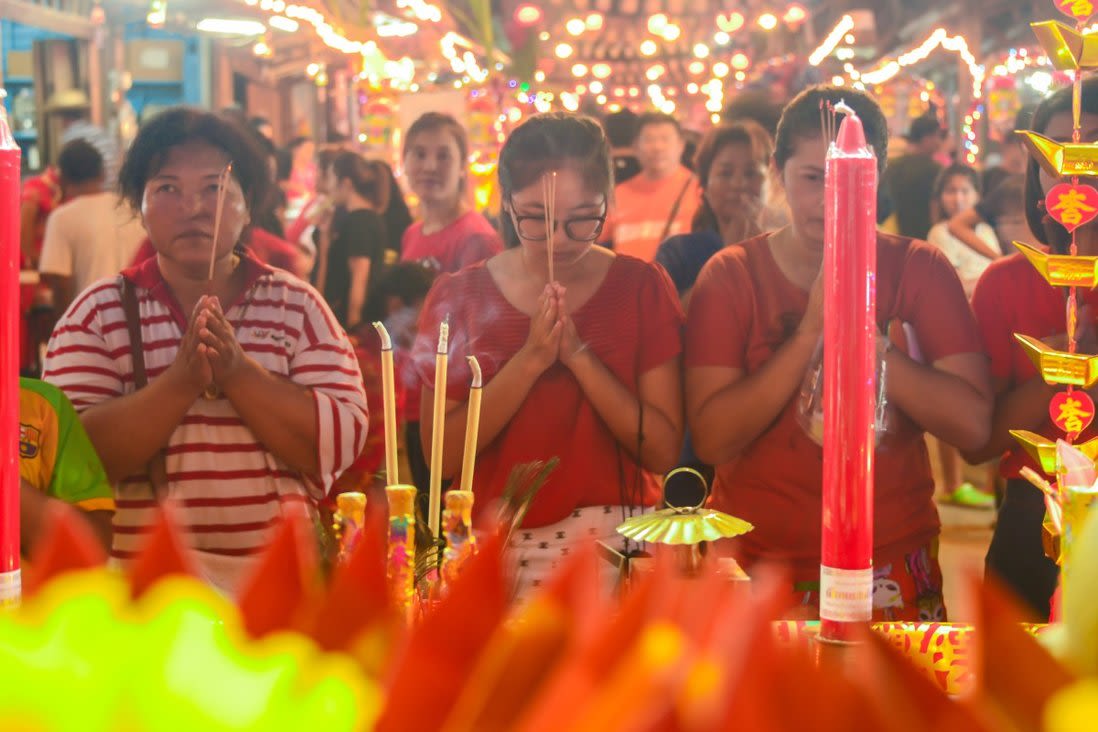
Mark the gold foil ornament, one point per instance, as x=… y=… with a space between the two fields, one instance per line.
x=1043 y=450
x=1062 y=159
x=1060 y=270
x=1067 y=49
x=1056 y=367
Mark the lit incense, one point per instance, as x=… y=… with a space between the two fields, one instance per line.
x=10 y=573
x=438 y=430
x=222 y=189
x=850 y=381
x=549 y=198
x=212 y=391
x=472 y=426
x=388 y=405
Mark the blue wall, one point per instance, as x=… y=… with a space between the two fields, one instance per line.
x=167 y=93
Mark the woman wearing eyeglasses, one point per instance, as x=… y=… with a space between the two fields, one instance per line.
x=584 y=368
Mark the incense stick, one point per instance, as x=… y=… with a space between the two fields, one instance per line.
x=222 y=188
x=549 y=197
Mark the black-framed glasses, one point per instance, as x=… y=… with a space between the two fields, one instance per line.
x=579 y=228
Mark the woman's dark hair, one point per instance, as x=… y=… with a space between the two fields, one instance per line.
x=325 y=156
x=548 y=142
x=284 y=163
x=408 y=281
x=748 y=134
x=397 y=216
x=957 y=170
x=184 y=125
x=801 y=120
x=1042 y=226
x=432 y=121
x=367 y=178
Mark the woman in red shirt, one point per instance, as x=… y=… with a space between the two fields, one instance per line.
x=584 y=368
x=1011 y=297
x=755 y=320
x=449 y=235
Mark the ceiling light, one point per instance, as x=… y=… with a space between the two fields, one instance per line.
x=283 y=24
x=232 y=26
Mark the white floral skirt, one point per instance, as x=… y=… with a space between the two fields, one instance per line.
x=536 y=553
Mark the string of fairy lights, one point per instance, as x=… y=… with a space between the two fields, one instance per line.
x=715 y=64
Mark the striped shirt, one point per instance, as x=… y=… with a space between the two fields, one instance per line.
x=228 y=487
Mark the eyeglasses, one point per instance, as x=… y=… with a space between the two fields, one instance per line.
x=580 y=228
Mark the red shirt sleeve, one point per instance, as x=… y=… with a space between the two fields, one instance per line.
x=933 y=301
x=993 y=319
x=477 y=247
x=662 y=315
x=719 y=321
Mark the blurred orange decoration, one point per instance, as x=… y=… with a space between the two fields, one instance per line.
x=673 y=653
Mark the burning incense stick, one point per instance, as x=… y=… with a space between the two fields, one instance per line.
x=472 y=426
x=388 y=405
x=439 y=427
x=549 y=198
x=222 y=189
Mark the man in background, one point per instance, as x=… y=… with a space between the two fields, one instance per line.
x=661 y=200
x=91 y=236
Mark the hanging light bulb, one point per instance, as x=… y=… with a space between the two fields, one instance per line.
x=593 y=21
x=158 y=13
x=657 y=23
x=768 y=21
x=563 y=50
x=579 y=70
x=527 y=14
x=648 y=47
x=601 y=71
x=575 y=26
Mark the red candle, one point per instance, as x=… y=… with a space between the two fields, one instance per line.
x=9 y=365
x=850 y=375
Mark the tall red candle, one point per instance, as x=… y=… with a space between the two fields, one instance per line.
x=10 y=585
x=850 y=376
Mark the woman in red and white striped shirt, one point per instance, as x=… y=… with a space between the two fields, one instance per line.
x=254 y=395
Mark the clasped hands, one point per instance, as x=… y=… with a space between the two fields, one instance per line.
x=209 y=354
x=553 y=336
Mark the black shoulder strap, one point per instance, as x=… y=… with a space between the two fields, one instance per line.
x=158 y=473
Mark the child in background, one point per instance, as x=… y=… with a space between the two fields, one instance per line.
x=957 y=189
